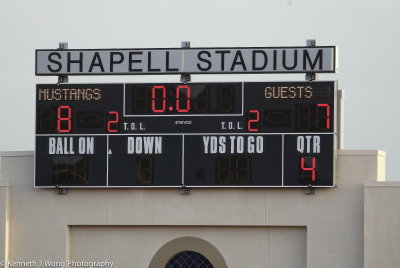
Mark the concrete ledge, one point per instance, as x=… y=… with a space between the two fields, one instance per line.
x=382 y=184
x=362 y=152
x=16 y=153
x=366 y=164
x=5 y=184
x=340 y=152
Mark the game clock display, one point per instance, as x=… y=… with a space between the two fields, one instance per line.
x=230 y=134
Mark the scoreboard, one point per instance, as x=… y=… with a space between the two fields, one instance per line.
x=236 y=134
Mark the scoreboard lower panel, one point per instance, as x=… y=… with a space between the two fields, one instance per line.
x=239 y=134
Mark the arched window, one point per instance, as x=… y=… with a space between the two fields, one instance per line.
x=189 y=259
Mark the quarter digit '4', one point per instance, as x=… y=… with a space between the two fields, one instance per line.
x=308 y=165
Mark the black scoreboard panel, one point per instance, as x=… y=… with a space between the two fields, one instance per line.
x=238 y=134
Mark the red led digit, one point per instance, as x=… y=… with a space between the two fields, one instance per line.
x=155 y=99
x=312 y=168
x=327 y=115
x=64 y=124
x=253 y=123
x=112 y=124
x=178 y=98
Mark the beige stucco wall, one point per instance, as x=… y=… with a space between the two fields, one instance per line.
x=269 y=223
x=4 y=220
x=382 y=224
x=240 y=246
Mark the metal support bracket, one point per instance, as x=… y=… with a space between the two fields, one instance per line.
x=185 y=78
x=311 y=76
x=309 y=190
x=185 y=190
x=62 y=79
x=61 y=190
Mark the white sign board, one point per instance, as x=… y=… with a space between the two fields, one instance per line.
x=320 y=59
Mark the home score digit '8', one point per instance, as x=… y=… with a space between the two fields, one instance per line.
x=238 y=134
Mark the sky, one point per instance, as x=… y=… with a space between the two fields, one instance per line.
x=366 y=33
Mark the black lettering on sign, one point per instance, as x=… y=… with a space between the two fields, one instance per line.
x=149 y=64
x=131 y=61
x=222 y=52
x=96 y=62
x=264 y=59
x=275 y=56
x=209 y=64
x=294 y=60
x=70 y=61
x=113 y=61
x=238 y=60
x=306 y=58
x=167 y=64
x=50 y=58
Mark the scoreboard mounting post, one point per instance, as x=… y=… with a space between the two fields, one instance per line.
x=311 y=76
x=185 y=78
x=62 y=78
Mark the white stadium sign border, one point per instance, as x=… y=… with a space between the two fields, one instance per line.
x=156 y=61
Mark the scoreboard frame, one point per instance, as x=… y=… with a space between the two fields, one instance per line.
x=226 y=134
